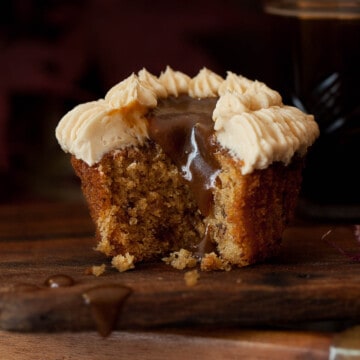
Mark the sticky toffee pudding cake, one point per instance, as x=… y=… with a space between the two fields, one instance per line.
x=189 y=170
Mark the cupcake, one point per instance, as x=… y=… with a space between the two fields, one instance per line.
x=203 y=170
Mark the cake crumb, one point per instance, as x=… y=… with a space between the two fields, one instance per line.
x=96 y=270
x=181 y=259
x=191 y=277
x=123 y=262
x=212 y=261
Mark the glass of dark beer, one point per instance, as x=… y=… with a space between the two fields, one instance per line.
x=325 y=38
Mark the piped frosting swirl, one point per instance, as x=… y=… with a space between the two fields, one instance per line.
x=205 y=84
x=250 y=119
x=132 y=91
x=175 y=82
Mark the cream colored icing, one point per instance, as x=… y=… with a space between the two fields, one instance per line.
x=264 y=136
x=92 y=129
x=131 y=91
x=252 y=122
x=256 y=93
x=205 y=84
x=175 y=82
x=229 y=104
x=152 y=82
x=250 y=119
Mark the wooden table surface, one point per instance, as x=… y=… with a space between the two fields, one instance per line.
x=305 y=303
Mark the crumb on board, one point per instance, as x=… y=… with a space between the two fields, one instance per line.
x=96 y=270
x=123 y=262
x=212 y=261
x=181 y=259
x=191 y=277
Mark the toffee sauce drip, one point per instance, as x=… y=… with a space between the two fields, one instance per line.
x=106 y=302
x=184 y=129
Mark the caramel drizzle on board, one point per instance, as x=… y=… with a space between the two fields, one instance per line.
x=105 y=301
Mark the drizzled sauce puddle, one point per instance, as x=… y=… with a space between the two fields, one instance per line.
x=59 y=280
x=106 y=302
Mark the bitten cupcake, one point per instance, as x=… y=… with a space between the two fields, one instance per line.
x=203 y=170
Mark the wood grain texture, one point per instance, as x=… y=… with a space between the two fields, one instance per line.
x=309 y=281
x=166 y=344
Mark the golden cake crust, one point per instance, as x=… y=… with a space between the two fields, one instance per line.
x=252 y=211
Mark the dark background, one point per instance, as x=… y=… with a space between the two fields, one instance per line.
x=55 y=54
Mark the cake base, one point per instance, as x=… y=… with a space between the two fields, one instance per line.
x=141 y=206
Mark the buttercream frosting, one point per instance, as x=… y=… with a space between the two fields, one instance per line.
x=152 y=82
x=250 y=119
x=205 y=84
x=175 y=82
x=132 y=91
x=92 y=129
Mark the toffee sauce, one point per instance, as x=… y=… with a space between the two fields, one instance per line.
x=184 y=129
x=59 y=280
x=106 y=302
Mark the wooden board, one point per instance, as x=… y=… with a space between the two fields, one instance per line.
x=310 y=280
x=165 y=344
